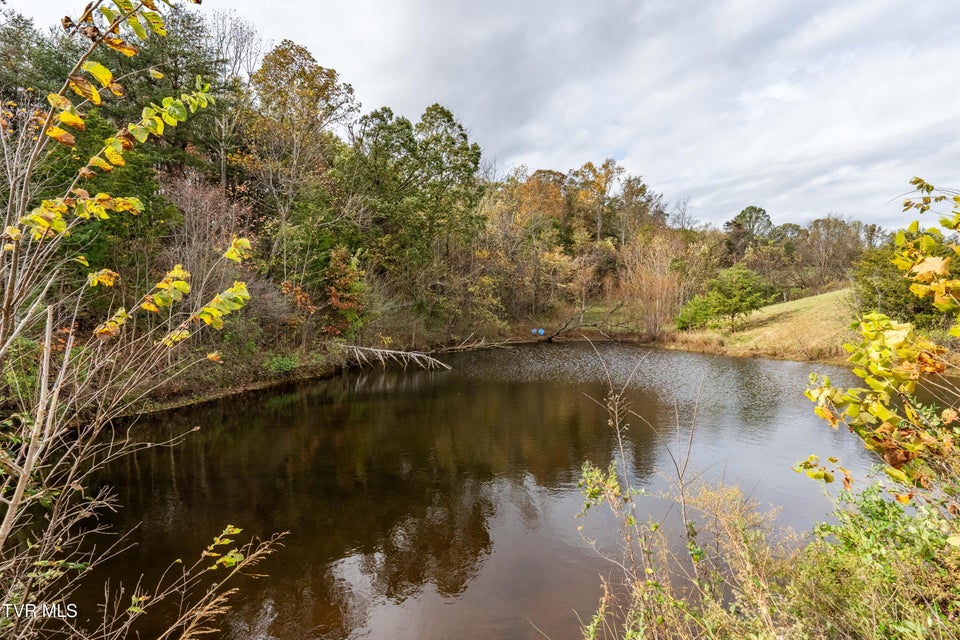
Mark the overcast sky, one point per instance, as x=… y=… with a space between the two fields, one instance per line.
x=803 y=107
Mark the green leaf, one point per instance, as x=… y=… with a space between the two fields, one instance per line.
x=138 y=29
x=140 y=133
x=162 y=299
x=896 y=474
x=177 y=110
x=109 y=13
x=155 y=125
x=881 y=412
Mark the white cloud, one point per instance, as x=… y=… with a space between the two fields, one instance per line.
x=804 y=106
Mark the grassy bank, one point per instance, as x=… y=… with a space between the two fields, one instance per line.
x=809 y=329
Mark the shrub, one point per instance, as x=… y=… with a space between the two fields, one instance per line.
x=697 y=313
x=734 y=293
x=281 y=363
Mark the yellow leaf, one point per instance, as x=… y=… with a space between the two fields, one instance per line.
x=156 y=23
x=112 y=326
x=107 y=330
x=114 y=156
x=118 y=44
x=117 y=89
x=72 y=120
x=57 y=101
x=149 y=306
x=920 y=290
x=929 y=267
x=133 y=205
x=156 y=75
x=82 y=260
x=100 y=163
x=179 y=273
x=239 y=250
x=63 y=137
x=174 y=337
x=106 y=277
x=215 y=357
x=82 y=87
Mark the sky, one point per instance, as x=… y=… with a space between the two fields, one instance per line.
x=802 y=107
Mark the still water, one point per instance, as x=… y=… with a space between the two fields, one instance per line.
x=442 y=504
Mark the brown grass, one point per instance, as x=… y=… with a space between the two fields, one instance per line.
x=809 y=329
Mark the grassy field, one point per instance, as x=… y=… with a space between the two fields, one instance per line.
x=811 y=328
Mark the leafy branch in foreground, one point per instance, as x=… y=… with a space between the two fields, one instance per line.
x=64 y=381
x=916 y=438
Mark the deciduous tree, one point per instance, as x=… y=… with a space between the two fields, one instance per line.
x=297 y=102
x=591 y=188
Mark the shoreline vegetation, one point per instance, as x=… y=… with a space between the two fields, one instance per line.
x=811 y=329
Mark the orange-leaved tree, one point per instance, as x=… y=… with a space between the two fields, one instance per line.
x=66 y=378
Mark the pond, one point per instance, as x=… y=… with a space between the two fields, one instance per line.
x=442 y=504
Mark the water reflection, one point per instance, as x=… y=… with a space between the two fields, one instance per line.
x=428 y=505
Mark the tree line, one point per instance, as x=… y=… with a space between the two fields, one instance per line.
x=373 y=228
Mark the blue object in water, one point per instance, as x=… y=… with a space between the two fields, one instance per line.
x=540 y=331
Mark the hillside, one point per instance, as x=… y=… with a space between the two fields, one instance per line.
x=812 y=328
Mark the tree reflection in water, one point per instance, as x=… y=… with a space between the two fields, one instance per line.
x=408 y=491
